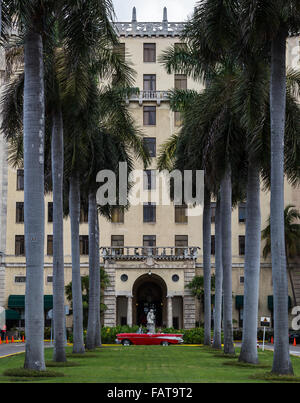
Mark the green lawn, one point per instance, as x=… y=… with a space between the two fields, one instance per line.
x=149 y=364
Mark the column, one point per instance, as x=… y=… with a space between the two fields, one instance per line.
x=170 y=312
x=129 y=311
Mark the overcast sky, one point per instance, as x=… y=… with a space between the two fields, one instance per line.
x=152 y=10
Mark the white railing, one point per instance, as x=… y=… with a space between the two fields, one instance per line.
x=148 y=96
x=144 y=252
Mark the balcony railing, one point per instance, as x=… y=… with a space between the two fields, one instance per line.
x=148 y=96
x=144 y=252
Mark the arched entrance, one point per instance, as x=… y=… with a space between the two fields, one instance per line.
x=149 y=292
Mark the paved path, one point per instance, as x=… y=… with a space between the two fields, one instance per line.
x=11 y=348
x=15 y=348
x=294 y=350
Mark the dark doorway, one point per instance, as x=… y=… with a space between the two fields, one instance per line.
x=149 y=293
x=149 y=296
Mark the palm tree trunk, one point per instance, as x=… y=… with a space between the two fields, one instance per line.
x=226 y=206
x=206 y=266
x=252 y=267
x=57 y=156
x=217 y=343
x=74 y=206
x=281 y=362
x=34 y=132
x=289 y=270
x=98 y=341
x=0 y=16
x=93 y=267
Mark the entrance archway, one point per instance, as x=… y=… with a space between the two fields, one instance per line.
x=149 y=292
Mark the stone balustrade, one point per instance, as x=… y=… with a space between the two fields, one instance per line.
x=148 y=96
x=144 y=252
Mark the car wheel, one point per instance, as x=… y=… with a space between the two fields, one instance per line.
x=126 y=342
x=164 y=343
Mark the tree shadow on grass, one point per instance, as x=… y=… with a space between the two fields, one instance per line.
x=245 y=365
x=83 y=355
x=270 y=377
x=30 y=373
x=66 y=364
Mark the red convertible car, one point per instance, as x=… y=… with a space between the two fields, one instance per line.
x=148 y=339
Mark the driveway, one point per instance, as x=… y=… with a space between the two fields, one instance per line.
x=15 y=348
x=11 y=348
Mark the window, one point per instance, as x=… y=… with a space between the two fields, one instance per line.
x=149 y=52
x=180 y=81
x=242 y=245
x=84 y=216
x=150 y=144
x=149 y=116
x=181 y=241
x=178 y=119
x=20 y=279
x=117 y=240
x=117 y=215
x=50 y=245
x=213 y=245
x=49 y=279
x=149 y=179
x=242 y=279
x=19 y=245
x=213 y=212
x=149 y=82
x=175 y=278
x=180 y=215
x=149 y=212
x=20 y=179
x=242 y=212
x=150 y=241
x=84 y=244
x=19 y=212
x=50 y=212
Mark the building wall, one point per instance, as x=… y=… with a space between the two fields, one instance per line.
x=133 y=227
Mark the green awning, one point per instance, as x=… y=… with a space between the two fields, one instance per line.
x=271 y=303
x=48 y=301
x=18 y=301
x=10 y=314
x=239 y=301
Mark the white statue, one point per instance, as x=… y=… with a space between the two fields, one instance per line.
x=151 y=321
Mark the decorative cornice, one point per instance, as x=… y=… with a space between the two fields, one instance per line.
x=150 y=29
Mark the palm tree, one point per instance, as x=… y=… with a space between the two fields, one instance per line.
x=243 y=20
x=210 y=126
x=272 y=22
x=80 y=47
x=217 y=340
x=31 y=20
x=292 y=239
x=88 y=53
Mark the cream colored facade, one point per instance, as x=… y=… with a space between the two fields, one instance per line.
x=149 y=281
